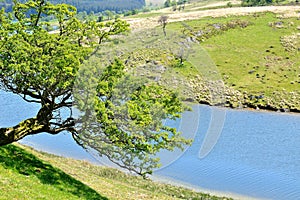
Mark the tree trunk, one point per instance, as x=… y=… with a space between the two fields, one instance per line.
x=27 y=127
x=164 y=30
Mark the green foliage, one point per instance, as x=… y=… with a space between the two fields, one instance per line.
x=229 y=4
x=129 y=114
x=167 y=3
x=37 y=59
x=39 y=65
x=259 y=2
x=57 y=71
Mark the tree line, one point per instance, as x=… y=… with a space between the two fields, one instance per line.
x=89 y=5
x=263 y=2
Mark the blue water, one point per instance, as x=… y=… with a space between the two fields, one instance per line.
x=13 y=109
x=256 y=153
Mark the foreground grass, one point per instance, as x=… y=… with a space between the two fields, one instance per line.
x=28 y=174
x=24 y=176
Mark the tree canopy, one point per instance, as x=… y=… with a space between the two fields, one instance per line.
x=259 y=2
x=120 y=116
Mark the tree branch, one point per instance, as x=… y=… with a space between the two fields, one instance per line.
x=27 y=127
x=39 y=13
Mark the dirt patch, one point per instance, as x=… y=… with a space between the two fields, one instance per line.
x=150 y=22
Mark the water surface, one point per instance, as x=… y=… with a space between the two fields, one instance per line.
x=256 y=155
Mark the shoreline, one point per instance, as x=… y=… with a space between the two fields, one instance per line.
x=236 y=196
x=252 y=109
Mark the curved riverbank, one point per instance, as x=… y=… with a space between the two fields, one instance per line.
x=228 y=97
x=236 y=196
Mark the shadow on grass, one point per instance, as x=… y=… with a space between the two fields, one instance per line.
x=17 y=159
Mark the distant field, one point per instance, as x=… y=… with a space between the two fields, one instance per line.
x=155 y=2
x=259 y=63
x=161 y=2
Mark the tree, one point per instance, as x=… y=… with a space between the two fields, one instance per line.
x=174 y=5
x=100 y=18
x=258 y=2
x=163 y=20
x=109 y=14
x=167 y=3
x=129 y=114
x=135 y=11
x=43 y=68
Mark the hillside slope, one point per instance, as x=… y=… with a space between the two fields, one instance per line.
x=138 y=22
x=24 y=176
x=28 y=174
x=257 y=62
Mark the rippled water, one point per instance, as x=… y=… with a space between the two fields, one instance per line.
x=256 y=155
x=13 y=109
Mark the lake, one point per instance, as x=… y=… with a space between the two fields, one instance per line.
x=250 y=153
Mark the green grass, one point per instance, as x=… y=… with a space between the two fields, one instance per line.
x=28 y=174
x=253 y=60
x=258 y=69
x=257 y=48
x=24 y=176
x=207 y=5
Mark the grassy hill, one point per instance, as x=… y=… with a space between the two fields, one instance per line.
x=24 y=176
x=28 y=174
x=257 y=60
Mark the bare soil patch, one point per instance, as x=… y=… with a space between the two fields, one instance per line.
x=150 y=22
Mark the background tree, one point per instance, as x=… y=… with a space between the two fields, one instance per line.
x=163 y=20
x=259 y=2
x=109 y=14
x=174 y=5
x=43 y=68
x=183 y=2
x=167 y=3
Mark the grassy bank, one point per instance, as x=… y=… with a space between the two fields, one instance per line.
x=25 y=176
x=28 y=174
x=258 y=60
